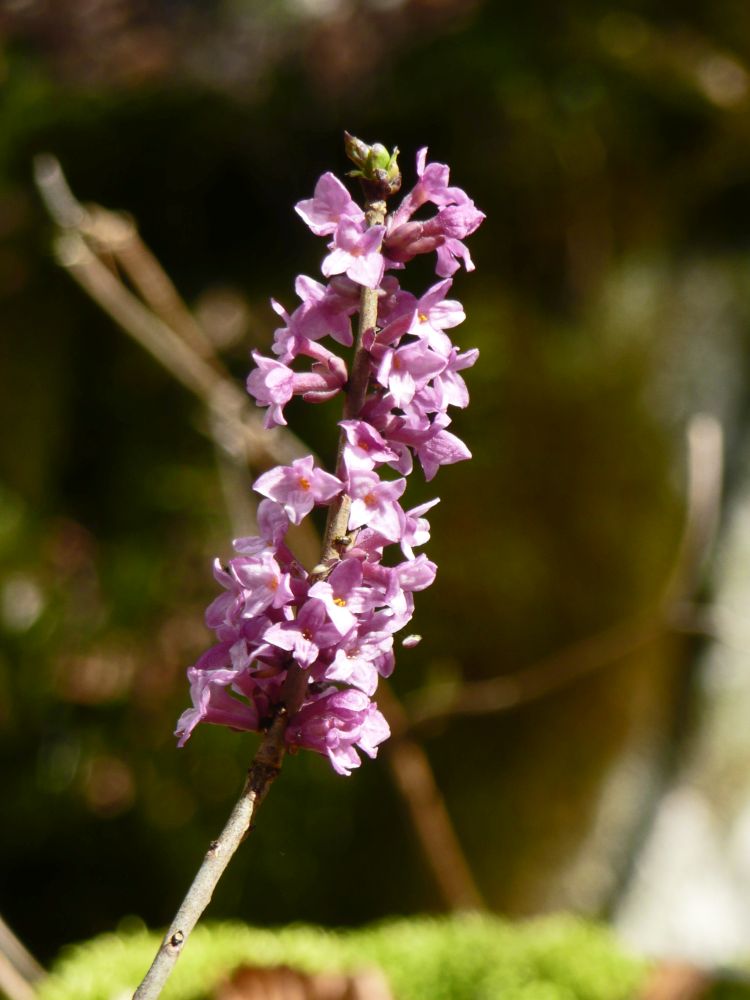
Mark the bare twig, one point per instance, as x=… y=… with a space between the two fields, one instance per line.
x=118 y=234
x=670 y=613
x=545 y=677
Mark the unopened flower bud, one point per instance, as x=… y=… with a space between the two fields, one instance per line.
x=411 y=641
x=377 y=169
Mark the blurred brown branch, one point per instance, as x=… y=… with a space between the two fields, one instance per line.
x=415 y=780
x=673 y=611
x=92 y=244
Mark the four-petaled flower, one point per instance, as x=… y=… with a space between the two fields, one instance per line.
x=355 y=251
x=298 y=487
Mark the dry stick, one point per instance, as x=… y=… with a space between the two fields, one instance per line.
x=267 y=762
x=672 y=611
x=118 y=234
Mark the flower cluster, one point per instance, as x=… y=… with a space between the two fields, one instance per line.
x=337 y=622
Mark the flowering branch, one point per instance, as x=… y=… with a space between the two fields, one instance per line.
x=299 y=654
x=93 y=243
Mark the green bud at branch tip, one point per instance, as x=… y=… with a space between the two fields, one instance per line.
x=377 y=168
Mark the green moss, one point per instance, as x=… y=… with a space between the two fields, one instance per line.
x=471 y=957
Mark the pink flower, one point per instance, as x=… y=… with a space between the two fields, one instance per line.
x=434 y=314
x=375 y=503
x=417 y=528
x=271 y=383
x=343 y=595
x=432 y=186
x=305 y=635
x=335 y=723
x=404 y=370
x=298 y=487
x=365 y=448
x=324 y=312
x=449 y=385
x=212 y=703
x=262 y=583
x=356 y=252
x=361 y=657
x=331 y=203
x=442 y=448
x=253 y=584
x=273 y=525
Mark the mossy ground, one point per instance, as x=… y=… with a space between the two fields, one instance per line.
x=460 y=958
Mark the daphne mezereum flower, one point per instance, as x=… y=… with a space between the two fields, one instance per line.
x=336 y=722
x=434 y=314
x=298 y=487
x=329 y=205
x=355 y=251
x=365 y=448
x=307 y=634
x=343 y=595
x=336 y=622
x=404 y=370
x=375 y=503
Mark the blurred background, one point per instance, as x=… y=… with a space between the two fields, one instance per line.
x=593 y=580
